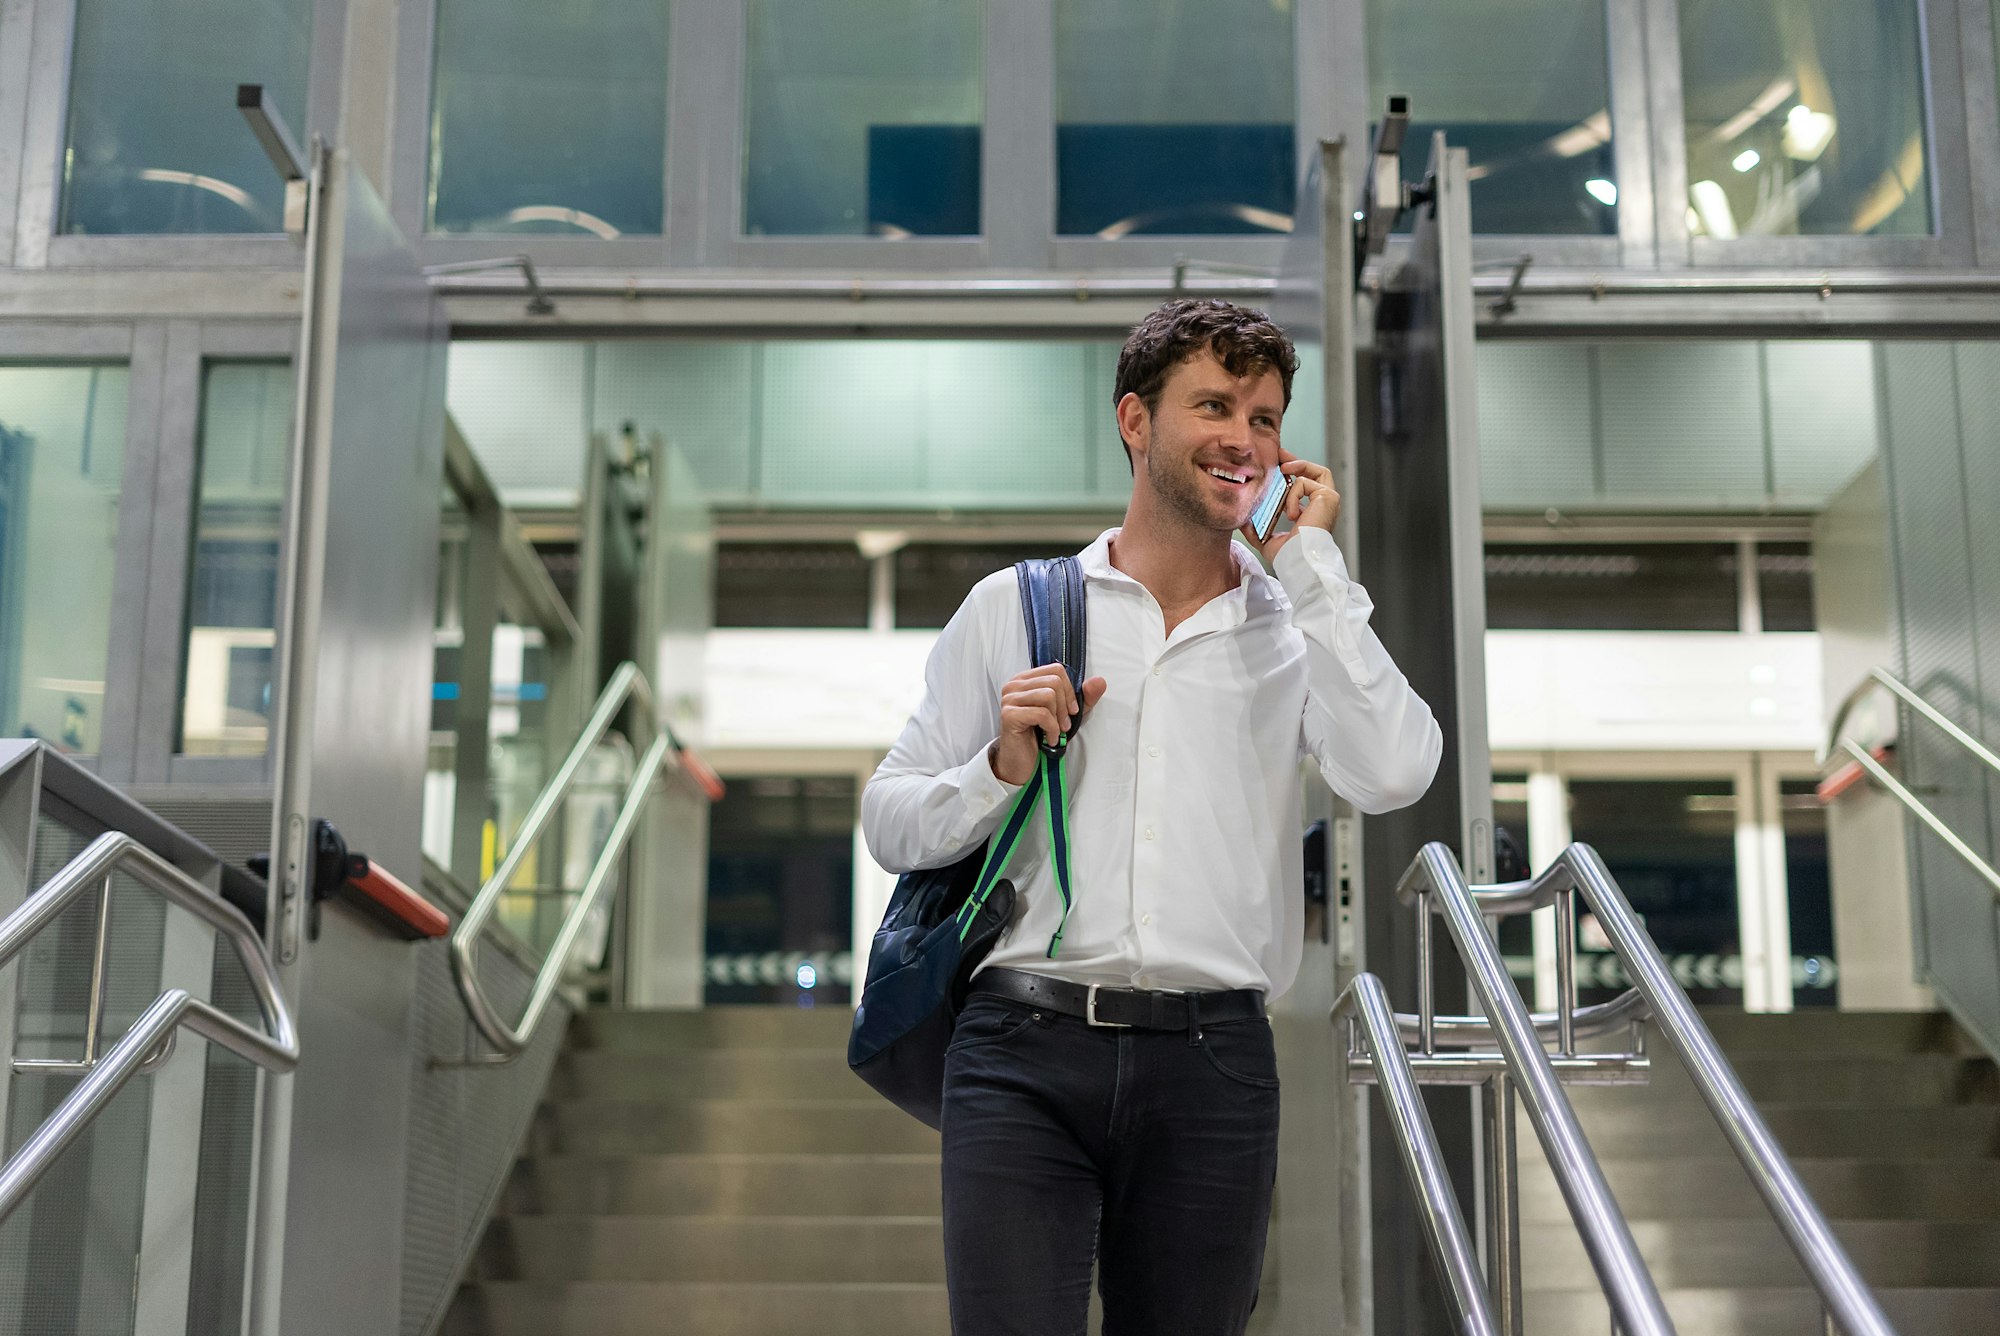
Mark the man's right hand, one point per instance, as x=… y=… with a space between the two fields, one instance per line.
x=1036 y=704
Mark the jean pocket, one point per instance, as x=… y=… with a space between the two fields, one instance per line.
x=1243 y=1051
x=980 y=1025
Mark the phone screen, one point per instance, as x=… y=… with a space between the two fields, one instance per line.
x=1270 y=505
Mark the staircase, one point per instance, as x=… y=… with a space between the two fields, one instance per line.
x=718 y=1172
x=1893 y=1121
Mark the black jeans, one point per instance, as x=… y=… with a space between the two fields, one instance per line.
x=1151 y=1149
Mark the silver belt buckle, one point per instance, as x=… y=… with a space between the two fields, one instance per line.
x=1090 y=1011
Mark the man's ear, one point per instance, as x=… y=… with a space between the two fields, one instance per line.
x=1135 y=424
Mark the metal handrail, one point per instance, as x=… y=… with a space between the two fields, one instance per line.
x=1836 y=741
x=1607 y=1238
x=1847 y=1298
x=277 y=1050
x=627 y=683
x=1367 y=1003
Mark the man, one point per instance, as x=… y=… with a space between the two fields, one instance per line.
x=1149 y=1144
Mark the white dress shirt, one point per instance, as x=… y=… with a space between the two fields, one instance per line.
x=1185 y=825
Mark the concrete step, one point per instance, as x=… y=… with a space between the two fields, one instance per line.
x=1769 y=1311
x=822 y=1028
x=713 y=1073
x=869 y=1126
x=1826 y=1078
x=776 y=1184
x=1717 y=1188
x=1751 y=1254
x=761 y=1249
x=1847 y=1032
x=657 y=1308
x=1629 y=1128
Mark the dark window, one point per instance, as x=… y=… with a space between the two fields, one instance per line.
x=932 y=579
x=1809 y=892
x=781 y=890
x=790 y=584
x=1785 y=586
x=1605 y=587
x=1671 y=845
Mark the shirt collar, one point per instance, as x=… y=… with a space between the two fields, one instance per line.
x=1096 y=563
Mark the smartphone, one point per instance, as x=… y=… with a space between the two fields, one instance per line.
x=1264 y=517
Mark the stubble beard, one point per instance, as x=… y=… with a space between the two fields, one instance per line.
x=1182 y=493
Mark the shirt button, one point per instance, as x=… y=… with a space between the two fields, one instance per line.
x=1145 y=919
x=1149 y=832
x=1152 y=751
x=1156 y=672
x=1145 y=981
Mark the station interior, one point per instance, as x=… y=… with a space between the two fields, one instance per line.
x=481 y=480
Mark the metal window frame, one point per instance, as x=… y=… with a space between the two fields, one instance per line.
x=165 y=360
x=1949 y=162
x=176 y=501
x=140 y=350
x=34 y=205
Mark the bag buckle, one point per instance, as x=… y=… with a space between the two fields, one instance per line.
x=1090 y=1012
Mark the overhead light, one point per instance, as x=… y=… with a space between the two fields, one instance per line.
x=1602 y=191
x=1747 y=159
x=1711 y=203
x=1806 y=133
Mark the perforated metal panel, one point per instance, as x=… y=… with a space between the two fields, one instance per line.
x=466 y=1126
x=1537 y=440
x=522 y=408
x=695 y=394
x=1682 y=423
x=1958 y=941
x=1004 y=423
x=1822 y=416
x=842 y=424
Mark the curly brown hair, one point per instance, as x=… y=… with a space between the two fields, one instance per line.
x=1245 y=340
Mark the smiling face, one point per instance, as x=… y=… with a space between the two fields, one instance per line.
x=1205 y=451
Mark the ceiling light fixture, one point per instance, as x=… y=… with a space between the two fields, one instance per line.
x=1603 y=191
x=1747 y=159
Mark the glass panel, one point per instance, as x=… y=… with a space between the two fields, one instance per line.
x=1611 y=587
x=62 y=457
x=781 y=890
x=156 y=143
x=441 y=771
x=1173 y=116
x=1809 y=892
x=863 y=118
x=519 y=764
x=1523 y=87
x=1804 y=117
x=246 y=431
x=549 y=118
x=932 y=579
x=791 y=584
x=1785 y=586
x=1671 y=845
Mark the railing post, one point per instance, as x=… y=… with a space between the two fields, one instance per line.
x=1566 y=972
x=1426 y=1004
x=1503 y=1205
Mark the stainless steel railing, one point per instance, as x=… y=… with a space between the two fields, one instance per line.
x=1849 y=1305
x=147 y=1042
x=511 y=1040
x=1434 y=884
x=1838 y=741
x=1366 y=1005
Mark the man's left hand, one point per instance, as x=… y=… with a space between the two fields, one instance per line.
x=1311 y=503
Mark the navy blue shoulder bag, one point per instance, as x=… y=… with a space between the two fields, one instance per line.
x=943 y=921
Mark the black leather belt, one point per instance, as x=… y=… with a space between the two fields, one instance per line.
x=1126 y=1008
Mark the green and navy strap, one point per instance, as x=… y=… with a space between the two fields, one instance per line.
x=1048 y=775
